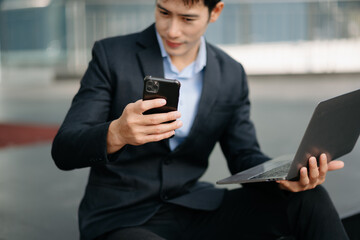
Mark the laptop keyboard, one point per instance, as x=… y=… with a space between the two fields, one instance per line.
x=278 y=172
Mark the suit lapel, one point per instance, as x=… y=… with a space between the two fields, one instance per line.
x=211 y=84
x=151 y=62
x=149 y=57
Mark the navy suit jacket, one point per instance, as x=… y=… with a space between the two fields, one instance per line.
x=128 y=187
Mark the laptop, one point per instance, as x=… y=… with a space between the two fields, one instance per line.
x=333 y=129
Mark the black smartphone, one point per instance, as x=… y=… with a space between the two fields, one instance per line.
x=167 y=89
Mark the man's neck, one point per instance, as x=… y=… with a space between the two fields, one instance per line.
x=180 y=62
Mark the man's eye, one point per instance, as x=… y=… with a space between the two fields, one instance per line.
x=189 y=19
x=164 y=13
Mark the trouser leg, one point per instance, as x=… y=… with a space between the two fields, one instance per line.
x=248 y=213
x=269 y=213
x=163 y=225
x=245 y=213
x=132 y=234
x=312 y=215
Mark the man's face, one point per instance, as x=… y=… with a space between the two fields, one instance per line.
x=180 y=26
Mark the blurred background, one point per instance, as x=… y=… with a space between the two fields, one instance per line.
x=296 y=53
x=56 y=36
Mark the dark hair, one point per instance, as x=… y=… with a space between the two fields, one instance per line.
x=208 y=3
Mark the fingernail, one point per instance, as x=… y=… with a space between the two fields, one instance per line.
x=162 y=101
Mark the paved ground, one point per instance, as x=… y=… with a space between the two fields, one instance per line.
x=38 y=201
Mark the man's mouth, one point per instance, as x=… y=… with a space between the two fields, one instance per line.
x=173 y=44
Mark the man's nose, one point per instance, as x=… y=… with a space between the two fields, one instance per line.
x=174 y=28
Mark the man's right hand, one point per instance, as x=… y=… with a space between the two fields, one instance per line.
x=134 y=128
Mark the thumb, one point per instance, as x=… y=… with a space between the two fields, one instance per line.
x=335 y=165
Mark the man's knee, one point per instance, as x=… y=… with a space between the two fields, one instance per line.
x=316 y=195
x=316 y=199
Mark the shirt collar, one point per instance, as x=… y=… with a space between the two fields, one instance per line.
x=200 y=61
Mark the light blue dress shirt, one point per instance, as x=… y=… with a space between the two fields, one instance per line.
x=191 y=79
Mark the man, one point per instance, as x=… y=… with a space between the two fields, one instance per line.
x=144 y=184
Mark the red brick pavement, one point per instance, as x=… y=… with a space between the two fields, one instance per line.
x=12 y=134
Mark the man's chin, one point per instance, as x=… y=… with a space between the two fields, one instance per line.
x=174 y=52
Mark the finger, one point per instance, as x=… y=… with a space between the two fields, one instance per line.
x=158 y=137
x=323 y=166
x=141 y=106
x=141 y=137
x=304 y=179
x=313 y=170
x=158 y=118
x=335 y=165
x=162 y=128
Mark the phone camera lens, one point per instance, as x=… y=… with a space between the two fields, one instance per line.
x=152 y=86
x=149 y=88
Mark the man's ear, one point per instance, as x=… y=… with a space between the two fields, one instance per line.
x=215 y=13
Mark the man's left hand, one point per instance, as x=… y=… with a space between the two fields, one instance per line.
x=315 y=176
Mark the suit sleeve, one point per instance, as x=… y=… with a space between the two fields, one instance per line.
x=81 y=140
x=239 y=142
